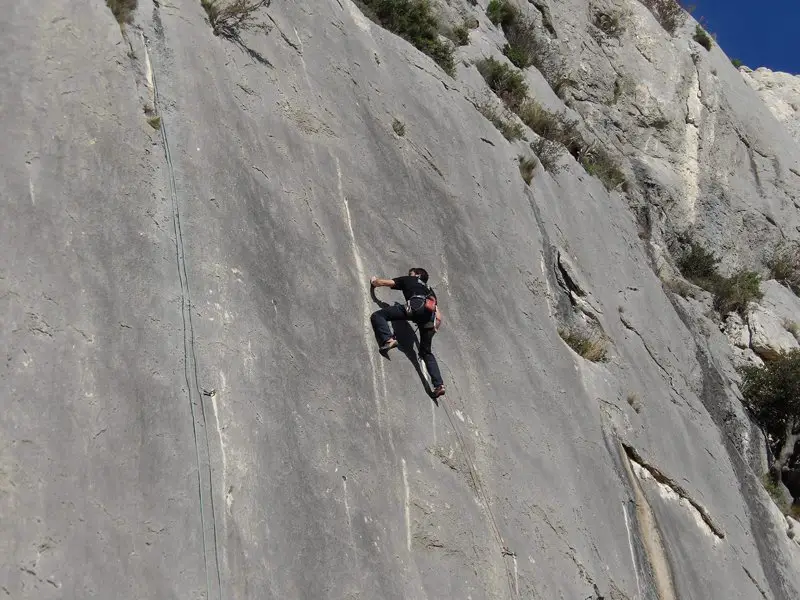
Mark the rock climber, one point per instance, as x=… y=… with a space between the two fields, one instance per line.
x=422 y=308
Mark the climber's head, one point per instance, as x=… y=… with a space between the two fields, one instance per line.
x=419 y=272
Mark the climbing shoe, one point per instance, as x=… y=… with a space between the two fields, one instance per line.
x=439 y=391
x=388 y=345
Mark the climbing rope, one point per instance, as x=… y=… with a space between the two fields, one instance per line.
x=480 y=491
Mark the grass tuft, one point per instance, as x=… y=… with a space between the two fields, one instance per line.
x=611 y=23
x=601 y=164
x=593 y=347
x=702 y=38
x=399 y=127
x=669 y=13
x=505 y=124
x=154 y=122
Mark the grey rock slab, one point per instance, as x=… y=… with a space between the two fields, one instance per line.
x=780 y=92
x=193 y=402
x=772 y=320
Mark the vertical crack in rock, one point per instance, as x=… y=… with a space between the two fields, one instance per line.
x=716 y=397
x=205 y=483
x=635 y=458
x=655 y=359
x=650 y=537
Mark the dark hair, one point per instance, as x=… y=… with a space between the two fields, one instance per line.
x=421 y=273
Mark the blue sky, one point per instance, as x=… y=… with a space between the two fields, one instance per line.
x=760 y=34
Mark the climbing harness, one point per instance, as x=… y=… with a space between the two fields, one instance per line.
x=423 y=306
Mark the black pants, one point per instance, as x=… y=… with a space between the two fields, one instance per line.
x=380 y=323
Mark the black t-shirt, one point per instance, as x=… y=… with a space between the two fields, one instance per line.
x=410 y=286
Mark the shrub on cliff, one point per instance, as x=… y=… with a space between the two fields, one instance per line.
x=229 y=17
x=784 y=265
x=731 y=294
x=699 y=265
x=508 y=83
x=772 y=392
x=502 y=12
x=669 y=13
x=414 y=21
x=702 y=38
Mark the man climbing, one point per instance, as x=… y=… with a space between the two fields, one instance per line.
x=422 y=308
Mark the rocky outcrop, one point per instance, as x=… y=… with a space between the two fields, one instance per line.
x=193 y=403
x=780 y=92
x=772 y=323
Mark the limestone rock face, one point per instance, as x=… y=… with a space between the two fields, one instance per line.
x=780 y=92
x=773 y=322
x=193 y=405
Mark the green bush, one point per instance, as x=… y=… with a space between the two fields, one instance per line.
x=517 y=57
x=502 y=12
x=772 y=392
x=461 y=35
x=734 y=293
x=122 y=9
x=527 y=165
x=508 y=83
x=699 y=265
x=669 y=13
x=702 y=38
x=784 y=265
x=414 y=21
x=505 y=124
x=731 y=294
x=737 y=63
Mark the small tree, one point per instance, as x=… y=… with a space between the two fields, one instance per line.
x=772 y=392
